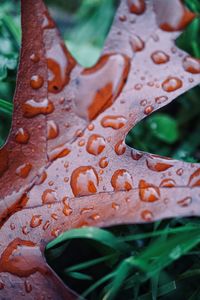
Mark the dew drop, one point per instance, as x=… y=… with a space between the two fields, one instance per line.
x=121 y=180
x=115 y=122
x=115 y=206
x=52 y=130
x=147 y=215
x=120 y=148
x=137 y=44
x=46 y=225
x=179 y=172
x=36 y=82
x=137 y=6
x=148 y=110
x=84 y=181
x=31 y=108
x=58 y=152
x=136 y=155
x=159 y=57
x=148 y=192
x=185 y=202
x=35 y=57
x=172 y=84
x=96 y=144
x=103 y=163
x=22 y=136
x=23 y=170
x=169 y=183
x=155 y=165
x=194 y=179
x=67 y=211
x=191 y=65
x=161 y=99
x=36 y=221
x=49 y=196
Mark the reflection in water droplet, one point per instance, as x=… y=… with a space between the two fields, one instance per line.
x=137 y=6
x=22 y=136
x=31 y=108
x=191 y=65
x=84 y=181
x=172 y=84
x=49 y=196
x=36 y=221
x=159 y=57
x=98 y=87
x=103 y=163
x=120 y=148
x=185 y=202
x=175 y=21
x=122 y=180
x=136 y=43
x=147 y=215
x=96 y=144
x=148 y=192
x=24 y=170
x=115 y=122
x=52 y=129
x=36 y=82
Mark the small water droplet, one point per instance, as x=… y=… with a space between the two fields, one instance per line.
x=103 y=163
x=191 y=65
x=22 y=136
x=148 y=110
x=36 y=221
x=137 y=44
x=159 y=57
x=23 y=170
x=168 y=182
x=179 y=172
x=147 y=215
x=115 y=206
x=36 y=82
x=161 y=99
x=137 y=6
x=49 y=196
x=185 y=202
x=148 y=192
x=35 y=57
x=115 y=122
x=120 y=148
x=52 y=130
x=28 y=286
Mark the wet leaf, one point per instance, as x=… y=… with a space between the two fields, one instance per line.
x=65 y=164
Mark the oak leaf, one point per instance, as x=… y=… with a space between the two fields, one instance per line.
x=65 y=163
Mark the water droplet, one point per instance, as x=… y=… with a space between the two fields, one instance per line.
x=115 y=206
x=84 y=181
x=22 y=136
x=148 y=110
x=147 y=215
x=185 y=202
x=98 y=87
x=159 y=57
x=35 y=57
x=95 y=217
x=49 y=196
x=55 y=232
x=12 y=226
x=31 y=108
x=161 y=99
x=28 y=286
x=103 y=163
x=138 y=86
x=25 y=230
x=59 y=151
x=36 y=221
x=46 y=225
x=67 y=211
x=143 y=102
x=171 y=84
x=54 y=216
x=22 y=258
x=157 y=166
x=41 y=178
x=191 y=65
x=96 y=144
x=137 y=6
x=136 y=43
x=115 y=122
x=136 y=155
x=81 y=143
x=179 y=172
x=90 y=127
x=122 y=18
x=47 y=22
x=169 y=183
x=86 y=210
x=175 y=21
x=36 y=82
x=122 y=180
x=79 y=133
x=194 y=179
x=120 y=148
x=148 y=192
x=24 y=170
x=52 y=129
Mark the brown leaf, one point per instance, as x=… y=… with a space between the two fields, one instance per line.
x=65 y=164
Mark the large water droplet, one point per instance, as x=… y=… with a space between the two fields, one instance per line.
x=122 y=180
x=148 y=192
x=24 y=170
x=31 y=108
x=49 y=196
x=172 y=84
x=99 y=86
x=157 y=166
x=115 y=122
x=96 y=144
x=84 y=181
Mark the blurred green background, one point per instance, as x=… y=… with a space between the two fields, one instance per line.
x=161 y=260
